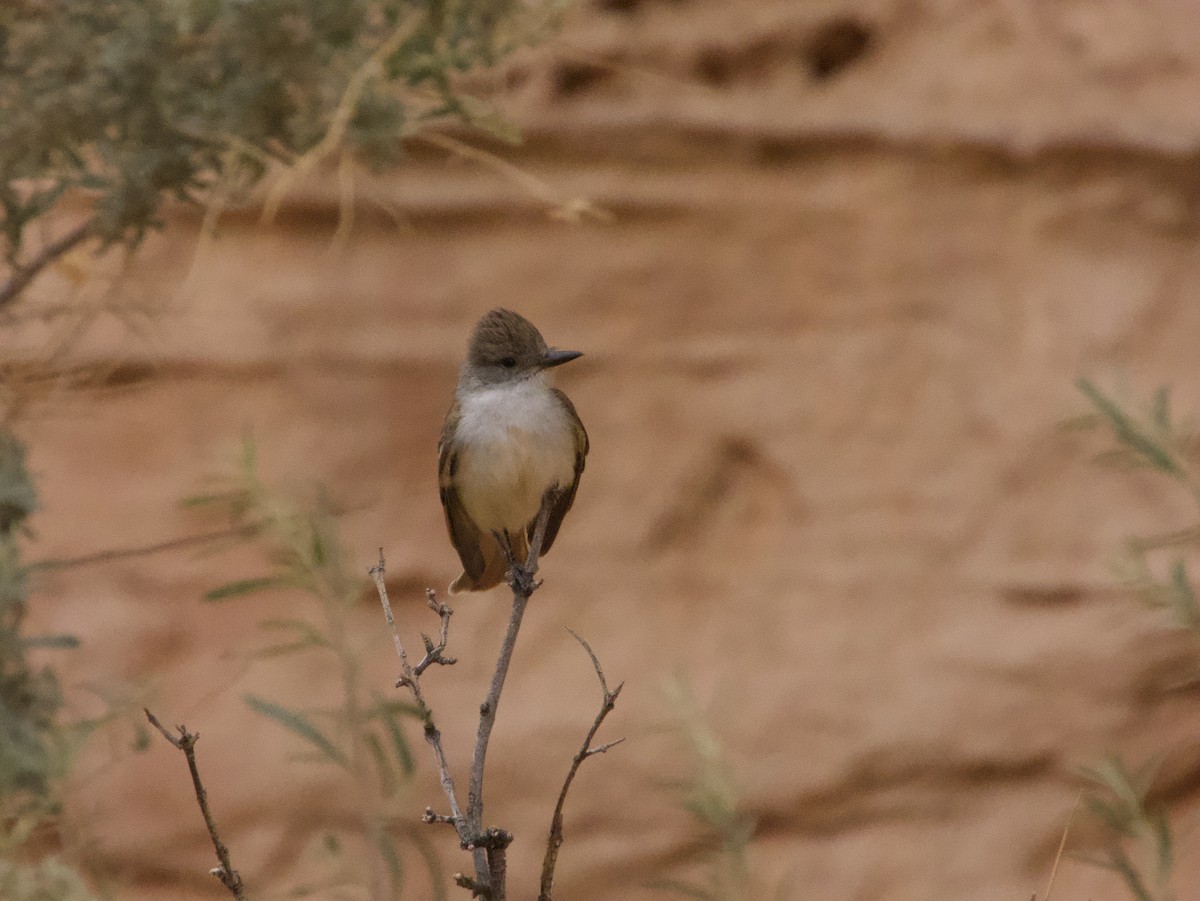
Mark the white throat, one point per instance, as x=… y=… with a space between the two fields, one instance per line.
x=516 y=441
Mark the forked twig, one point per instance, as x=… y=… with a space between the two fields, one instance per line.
x=586 y=750
x=488 y=846
x=411 y=679
x=23 y=275
x=186 y=742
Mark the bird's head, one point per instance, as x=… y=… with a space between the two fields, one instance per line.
x=506 y=347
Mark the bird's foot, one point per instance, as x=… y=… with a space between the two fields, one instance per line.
x=521 y=580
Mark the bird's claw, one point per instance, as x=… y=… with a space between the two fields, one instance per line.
x=522 y=580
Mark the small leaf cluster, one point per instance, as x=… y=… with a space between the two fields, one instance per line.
x=1146 y=436
x=1118 y=799
x=713 y=799
x=135 y=103
x=1152 y=439
x=29 y=696
x=46 y=880
x=364 y=733
x=35 y=747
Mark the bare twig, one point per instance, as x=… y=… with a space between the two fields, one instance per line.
x=586 y=750
x=573 y=209
x=489 y=866
x=411 y=679
x=1061 y=847
x=186 y=742
x=488 y=847
x=23 y=275
x=433 y=653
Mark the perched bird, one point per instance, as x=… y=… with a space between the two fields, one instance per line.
x=511 y=442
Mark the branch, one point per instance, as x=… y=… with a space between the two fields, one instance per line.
x=410 y=678
x=489 y=863
x=186 y=742
x=575 y=209
x=23 y=275
x=586 y=750
x=339 y=120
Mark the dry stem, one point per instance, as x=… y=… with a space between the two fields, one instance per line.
x=23 y=275
x=411 y=678
x=489 y=846
x=489 y=862
x=586 y=750
x=186 y=742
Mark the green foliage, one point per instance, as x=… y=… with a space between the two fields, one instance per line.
x=33 y=744
x=135 y=103
x=46 y=880
x=1152 y=439
x=711 y=796
x=364 y=735
x=1140 y=843
x=298 y=723
x=1141 y=846
x=1148 y=440
x=29 y=697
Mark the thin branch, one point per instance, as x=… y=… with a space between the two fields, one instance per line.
x=186 y=742
x=23 y=275
x=586 y=750
x=339 y=120
x=1061 y=847
x=433 y=653
x=523 y=584
x=574 y=209
x=411 y=679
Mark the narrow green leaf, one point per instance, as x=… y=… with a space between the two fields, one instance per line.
x=387 y=775
x=243 y=587
x=282 y=650
x=249 y=452
x=1133 y=880
x=316 y=548
x=297 y=723
x=1109 y=814
x=387 y=850
x=208 y=500
x=51 y=641
x=399 y=742
x=401 y=708
x=433 y=863
x=141 y=738
x=305 y=631
x=1127 y=431
x=1160 y=410
x=1184 y=597
x=1163 y=843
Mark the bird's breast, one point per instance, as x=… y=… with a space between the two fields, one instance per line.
x=514 y=443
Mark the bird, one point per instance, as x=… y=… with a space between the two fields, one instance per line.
x=511 y=443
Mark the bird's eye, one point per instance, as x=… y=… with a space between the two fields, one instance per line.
x=509 y=362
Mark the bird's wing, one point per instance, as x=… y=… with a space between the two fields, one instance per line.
x=566 y=496
x=464 y=534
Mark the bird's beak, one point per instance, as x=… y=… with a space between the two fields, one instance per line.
x=554 y=357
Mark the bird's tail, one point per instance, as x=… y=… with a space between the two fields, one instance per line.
x=495 y=564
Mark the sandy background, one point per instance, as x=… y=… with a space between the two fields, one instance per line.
x=854 y=258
